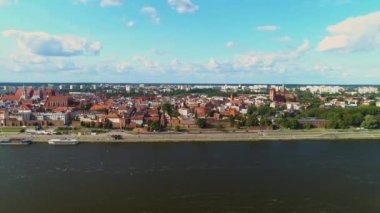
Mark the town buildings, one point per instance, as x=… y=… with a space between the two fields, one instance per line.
x=137 y=107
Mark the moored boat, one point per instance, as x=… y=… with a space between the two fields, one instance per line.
x=63 y=141
x=16 y=141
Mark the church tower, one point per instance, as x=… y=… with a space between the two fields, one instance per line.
x=23 y=96
x=272 y=94
x=283 y=90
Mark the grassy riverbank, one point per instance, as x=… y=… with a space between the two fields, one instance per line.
x=213 y=136
x=10 y=129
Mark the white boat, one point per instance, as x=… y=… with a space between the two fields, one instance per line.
x=63 y=141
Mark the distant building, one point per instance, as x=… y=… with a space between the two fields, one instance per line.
x=127 y=88
x=63 y=117
x=274 y=96
x=3 y=116
x=56 y=101
x=323 y=89
x=364 y=90
x=316 y=123
x=36 y=95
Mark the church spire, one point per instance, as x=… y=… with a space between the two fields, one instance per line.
x=23 y=96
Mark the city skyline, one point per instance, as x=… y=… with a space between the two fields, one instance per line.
x=190 y=41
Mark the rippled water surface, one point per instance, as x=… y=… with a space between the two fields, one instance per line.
x=192 y=177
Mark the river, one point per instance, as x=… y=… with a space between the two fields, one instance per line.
x=303 y=176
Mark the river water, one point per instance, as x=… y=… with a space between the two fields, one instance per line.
x=328 y=176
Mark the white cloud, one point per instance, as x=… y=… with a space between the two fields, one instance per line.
x=31 y=63
x=27 y=58
x=110 y=3
x=277 y=62
x=265 y=60
x=146 y=64
x=353 y=34
x=8 y=2
x=131 y=24
x=183 y=6
x=267 y=28
x=303 y=48
x=230 y=44
x=152 y=13
x=44 y=44
x=176 y=66
x=283 y=39
x=212 y=64
x=121 y=67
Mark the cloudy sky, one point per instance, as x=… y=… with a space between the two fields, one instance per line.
x=190 y=41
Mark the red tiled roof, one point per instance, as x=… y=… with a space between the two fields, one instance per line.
x=137 y=118
x=23 y=107
x=10 y=98
x=154 y=118
x=61 y=109
x=123 y=107
x=59 y=98
x=112 y=116
x=97 y=107
x=18 y=93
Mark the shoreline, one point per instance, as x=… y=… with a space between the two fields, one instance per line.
x=289 y=135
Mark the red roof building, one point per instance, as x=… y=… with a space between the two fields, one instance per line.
x=56 y=101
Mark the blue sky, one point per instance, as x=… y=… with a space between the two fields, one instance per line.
x=190 y=41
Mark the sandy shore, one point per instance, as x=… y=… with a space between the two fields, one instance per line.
x=211 y=136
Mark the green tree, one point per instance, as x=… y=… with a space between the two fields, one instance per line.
x=88 y=106
x=307 y=126
x=265 y=122
x=291 y=123
x=175 y=114
x=154 y=125
x=167 y=107
x=252 y=120
x=251 y=110
x=288 y=123
x=352 y=119
x=370 y=122
x=336 y=123
x=265 y=111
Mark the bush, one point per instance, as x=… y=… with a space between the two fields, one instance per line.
x=201 y=123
